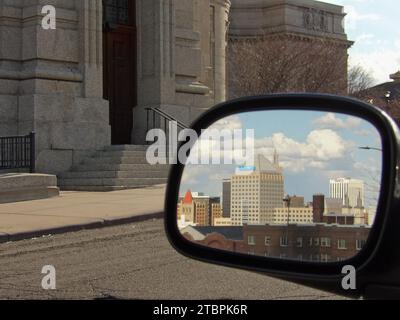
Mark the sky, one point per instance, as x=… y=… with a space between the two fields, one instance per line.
x=314 y=147
x=375 y=28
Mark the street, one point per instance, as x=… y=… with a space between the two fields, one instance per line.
x=128 y=262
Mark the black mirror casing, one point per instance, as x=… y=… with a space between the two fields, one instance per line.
x=377 y=265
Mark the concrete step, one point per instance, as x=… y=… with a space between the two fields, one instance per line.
x=114 y=154
x=126 y=148
x=100 y=188
x=116 y=160
x=93 y=188
x=115 y=168
x=26 y=187
x=115 y=174
x=117 y=182
x=120 y=167
x=28 y=194
x=120 y=160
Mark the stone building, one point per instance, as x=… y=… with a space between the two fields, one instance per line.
x=257 y=192
x=198 y=209
x=85 y=86
x=314 y=242
x=279 y=30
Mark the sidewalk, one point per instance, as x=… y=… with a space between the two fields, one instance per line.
x=74 y=211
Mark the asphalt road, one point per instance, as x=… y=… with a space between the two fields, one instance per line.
x=128 y=262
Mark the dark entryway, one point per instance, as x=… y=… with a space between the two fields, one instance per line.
x=119 y=41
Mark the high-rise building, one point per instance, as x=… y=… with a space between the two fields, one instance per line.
x=350 y=191
x=226 y=198
x=256 y=191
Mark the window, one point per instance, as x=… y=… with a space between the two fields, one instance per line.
x=299 y=242
x=326 y=242
x=300 y=257
x=267 y=241
x=251 y=240
x=360 y=244
x=342 y=244
x=310 y=242
x=324 y=257
x=316 y=242
x=117 y=11
x=284 y=241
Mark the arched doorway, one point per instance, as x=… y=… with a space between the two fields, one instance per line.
x=120 y=79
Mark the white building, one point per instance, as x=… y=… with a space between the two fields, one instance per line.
x=255 y=192
x=222 y=222
x=351 y=191
x=302 y=215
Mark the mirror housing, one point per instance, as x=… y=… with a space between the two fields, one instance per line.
x=372 y=266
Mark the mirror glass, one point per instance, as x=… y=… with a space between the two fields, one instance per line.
x=298 y=185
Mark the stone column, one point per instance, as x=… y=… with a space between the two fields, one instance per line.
x=176 y=70
x=10 y=64
x=91 y=41
x=221 y=28
x=156 y=68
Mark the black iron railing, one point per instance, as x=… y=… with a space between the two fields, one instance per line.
x=159 y=119
x=18 y=152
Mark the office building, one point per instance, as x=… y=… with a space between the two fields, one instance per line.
x=256 y=191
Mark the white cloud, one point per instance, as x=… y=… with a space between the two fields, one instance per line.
x=382 y=60
x=320 y=148
x=231 y=123
x=330 y=121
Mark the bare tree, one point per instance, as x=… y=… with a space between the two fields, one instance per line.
x=359 y=80
x=286 y=64
x=290 y=64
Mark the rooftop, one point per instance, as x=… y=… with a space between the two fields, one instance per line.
x=229 y=232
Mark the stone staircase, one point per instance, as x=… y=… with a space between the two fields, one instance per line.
x=114 y=168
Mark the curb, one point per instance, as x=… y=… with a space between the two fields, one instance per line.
x=4 y=237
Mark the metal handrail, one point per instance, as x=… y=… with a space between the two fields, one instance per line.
x=18 y=152
x=167 y=116
x=159 y=119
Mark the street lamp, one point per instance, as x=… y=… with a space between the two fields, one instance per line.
x=287 y=200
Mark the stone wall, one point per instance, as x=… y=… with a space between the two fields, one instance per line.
x=182 y=64
x=51 y=81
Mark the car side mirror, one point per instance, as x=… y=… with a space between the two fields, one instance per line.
x=302 y=187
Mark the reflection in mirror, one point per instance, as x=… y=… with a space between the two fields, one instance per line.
x=299 y=185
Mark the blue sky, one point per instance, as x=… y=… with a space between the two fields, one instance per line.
x=375 y=28
x=313 y=147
